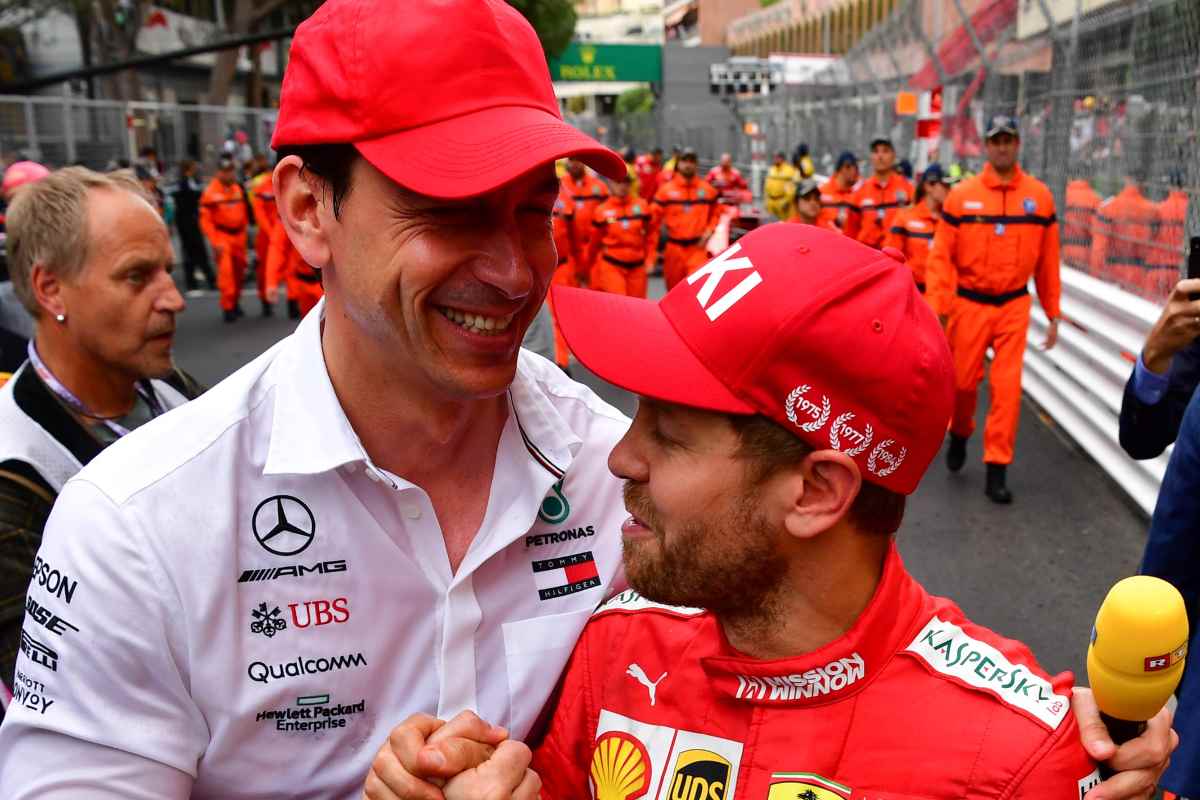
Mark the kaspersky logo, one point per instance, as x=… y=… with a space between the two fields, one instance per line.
x=620 y=767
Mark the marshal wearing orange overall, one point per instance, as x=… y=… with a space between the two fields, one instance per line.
x=998 y=229
x=690 y=211
x=266 y=217
x=563 y=225
x=880 y=196
x=625 y=242
x=913 y=227
x=588 y=192
x=224 y=220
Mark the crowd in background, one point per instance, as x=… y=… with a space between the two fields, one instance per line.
x=972 y=242
x=226 y=229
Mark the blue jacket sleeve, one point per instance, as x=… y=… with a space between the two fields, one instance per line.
x=1146 y=430
x=1173 y=554
x=1173 y=547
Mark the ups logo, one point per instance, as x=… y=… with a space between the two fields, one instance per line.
x=700 y=775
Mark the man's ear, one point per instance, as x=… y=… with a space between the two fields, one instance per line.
x=818 y=492
x=301 y=210
x=47 y=290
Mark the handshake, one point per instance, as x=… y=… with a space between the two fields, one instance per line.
x=464 y=759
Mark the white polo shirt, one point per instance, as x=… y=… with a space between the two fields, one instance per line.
x=239 y=604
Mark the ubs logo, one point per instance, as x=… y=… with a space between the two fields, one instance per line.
x=315 y=613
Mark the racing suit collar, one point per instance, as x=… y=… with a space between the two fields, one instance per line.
x=838 y=670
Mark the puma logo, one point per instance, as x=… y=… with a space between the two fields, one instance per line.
x=638 y=674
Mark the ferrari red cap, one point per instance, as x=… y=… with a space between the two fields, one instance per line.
x=824 y=335
x=449 y=98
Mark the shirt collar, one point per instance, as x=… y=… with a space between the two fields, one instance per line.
x=309 y=430
x=310 y=433
x=547 y=436
x=890 y=179
x=992 y=180
x=837 y=670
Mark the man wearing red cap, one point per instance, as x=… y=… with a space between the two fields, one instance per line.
x=775 y=646
x=400 y=512
x=400 y=509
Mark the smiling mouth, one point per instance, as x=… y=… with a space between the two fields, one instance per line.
x=477 y=323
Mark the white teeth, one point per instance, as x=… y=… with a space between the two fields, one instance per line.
x=477 y=323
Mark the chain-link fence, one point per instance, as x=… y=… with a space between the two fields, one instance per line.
x=100 y=133
x=1108 y=101
x=710 y=129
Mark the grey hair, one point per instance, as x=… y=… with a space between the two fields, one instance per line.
x=47 y=225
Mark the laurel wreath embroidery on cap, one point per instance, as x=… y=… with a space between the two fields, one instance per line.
x=880 y=451
x=841 y=421
x=790 y=408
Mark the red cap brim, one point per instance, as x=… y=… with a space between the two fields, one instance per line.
x=476 y=153
x=629 y=342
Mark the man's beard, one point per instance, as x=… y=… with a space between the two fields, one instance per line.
x=729 y=565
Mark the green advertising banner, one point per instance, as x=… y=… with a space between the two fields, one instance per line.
x=583 y=61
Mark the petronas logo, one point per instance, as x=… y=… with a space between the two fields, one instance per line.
x=555 y=508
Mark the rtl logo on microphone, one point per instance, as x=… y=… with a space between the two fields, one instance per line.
x=315 y=613
x=1166 y=660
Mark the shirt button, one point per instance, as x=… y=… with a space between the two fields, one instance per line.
x=412 y=512
x=373 y=476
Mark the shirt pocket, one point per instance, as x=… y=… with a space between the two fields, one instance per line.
x=535 y=651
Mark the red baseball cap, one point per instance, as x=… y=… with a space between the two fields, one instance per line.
x=822 y=334
x=449 y=98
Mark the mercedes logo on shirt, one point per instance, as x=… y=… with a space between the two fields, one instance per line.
x=284 y=525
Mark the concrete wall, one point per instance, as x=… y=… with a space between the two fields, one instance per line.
x=689 y=113
x=685 y=74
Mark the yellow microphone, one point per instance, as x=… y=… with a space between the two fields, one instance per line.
x=1135 y=659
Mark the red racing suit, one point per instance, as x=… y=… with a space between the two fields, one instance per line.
x=730 y=185
x=913 y=702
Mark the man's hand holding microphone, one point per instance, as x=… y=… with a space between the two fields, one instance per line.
x=1135 y=660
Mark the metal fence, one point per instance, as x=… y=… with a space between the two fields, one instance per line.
x=100 y=133
x=1109 y=98
x=711 y=129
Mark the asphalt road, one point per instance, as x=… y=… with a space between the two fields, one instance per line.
x=1035 y=571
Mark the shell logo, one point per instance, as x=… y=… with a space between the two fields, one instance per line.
x=587 y=54
x=620 y=767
